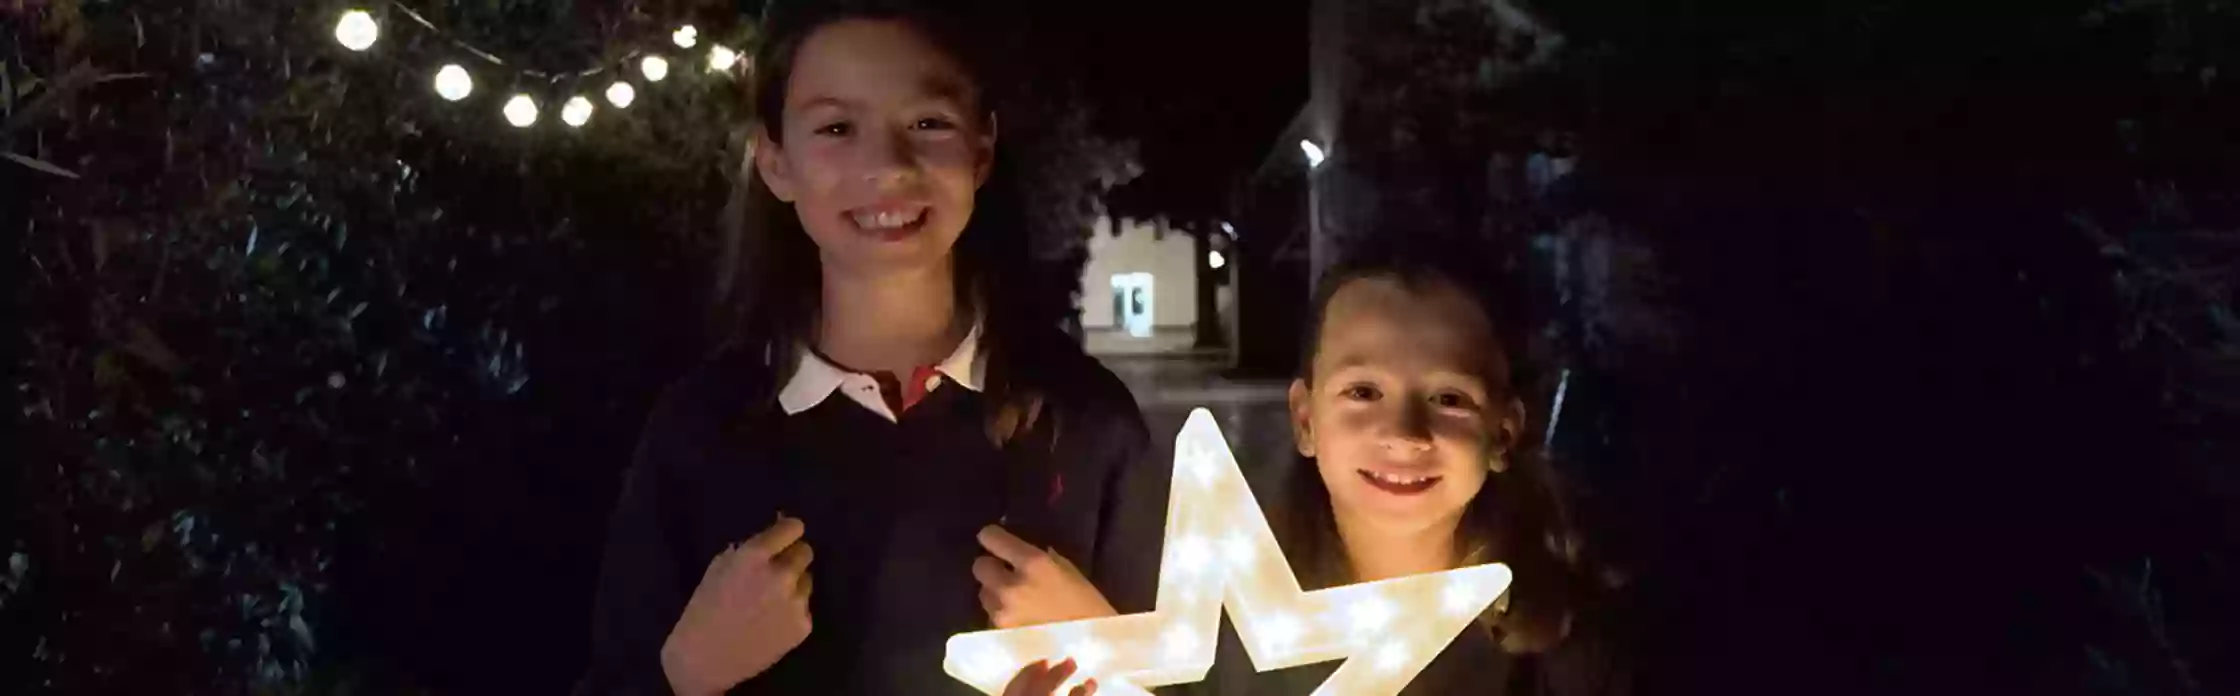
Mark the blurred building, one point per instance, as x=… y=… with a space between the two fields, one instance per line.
x=1153 y=287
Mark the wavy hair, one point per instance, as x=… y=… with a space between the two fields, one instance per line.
x=768 y=285
x=1521 y=517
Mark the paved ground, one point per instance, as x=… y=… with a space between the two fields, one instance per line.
x=1251 y=414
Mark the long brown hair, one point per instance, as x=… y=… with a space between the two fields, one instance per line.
x=1519 y=518
x=768 y=284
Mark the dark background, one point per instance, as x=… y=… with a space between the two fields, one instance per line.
x=1901 y=334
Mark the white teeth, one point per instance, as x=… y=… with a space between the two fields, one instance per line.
x=1397 y=479
x=887 y=220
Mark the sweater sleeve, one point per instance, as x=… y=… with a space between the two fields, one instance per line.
x=1132 y=517
x=642 y=584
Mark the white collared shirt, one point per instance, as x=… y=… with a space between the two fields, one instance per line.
x=815 y=379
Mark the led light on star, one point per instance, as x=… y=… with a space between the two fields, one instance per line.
x=1369 y=615
x=654 y=68
x=721 y=58
x=576 y=112
x=357 y=31
x=621 y=94
x=1221 y=556
x=521 y=111
x=685 y=36
x=453 y=83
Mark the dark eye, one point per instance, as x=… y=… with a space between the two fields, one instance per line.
x=1361 y=392
x=933 y=124
x=839 y=129
x=1452 y=400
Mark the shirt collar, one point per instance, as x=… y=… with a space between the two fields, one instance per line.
x=814 y=378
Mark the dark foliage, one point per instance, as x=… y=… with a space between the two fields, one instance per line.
x=1901 y=333
x=326 y=383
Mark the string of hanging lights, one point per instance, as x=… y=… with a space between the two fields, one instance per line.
x=359 y=30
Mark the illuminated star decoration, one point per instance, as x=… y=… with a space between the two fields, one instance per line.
x=1220 y=552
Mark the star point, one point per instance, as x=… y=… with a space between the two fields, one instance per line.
x=1221 y=548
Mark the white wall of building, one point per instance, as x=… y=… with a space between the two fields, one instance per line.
x=1171 y=259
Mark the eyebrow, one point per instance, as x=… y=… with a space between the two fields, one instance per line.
x=1349 y=360
x=945 y=87
x=824 y=101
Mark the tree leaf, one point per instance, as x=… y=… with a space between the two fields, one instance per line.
x=40 y=165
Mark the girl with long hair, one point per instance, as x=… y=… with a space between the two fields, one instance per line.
x=897 y=444
x=1416 y=456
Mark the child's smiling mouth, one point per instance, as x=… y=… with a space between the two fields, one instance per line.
x=1399 y=484
x=889 y=221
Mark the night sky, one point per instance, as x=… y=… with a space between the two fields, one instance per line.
x=1204 y=93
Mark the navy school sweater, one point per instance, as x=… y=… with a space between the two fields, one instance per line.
x=892 y=509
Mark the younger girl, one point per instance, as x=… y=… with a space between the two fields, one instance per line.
x=898 y=444
x=1415 y=458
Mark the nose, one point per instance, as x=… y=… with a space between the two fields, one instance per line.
x=1408 y=432
x=889 y=159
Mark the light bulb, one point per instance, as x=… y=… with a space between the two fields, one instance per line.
x=1215 y=260
x=576 y=112
x=620 y=94
x=1369 y=614
x=654 y=68
x=1181 y=642
x=1238 y=548
x=1191 y=555
x=685 y=36
x=453 y=83
x=721 y=58
x=521 y=111
x=1390 y=656
x=357 y=31
x=1459 y=597
x=1279 y=631
x=1314 y=153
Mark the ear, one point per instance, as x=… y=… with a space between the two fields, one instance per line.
x=1302 y=418
x=986 y=155
x=1506 y=432
x=770 y=164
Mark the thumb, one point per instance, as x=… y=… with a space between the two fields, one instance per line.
x=1060 y=560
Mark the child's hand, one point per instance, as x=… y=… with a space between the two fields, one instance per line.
x=1043 y=679
x=751 y=608
x=1024 y=586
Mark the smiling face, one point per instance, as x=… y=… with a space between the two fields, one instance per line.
x=883 y=145
x=1398 y=411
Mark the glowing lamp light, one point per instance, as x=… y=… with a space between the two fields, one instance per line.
x=654 y=68
x=1245 y=574
x=521 y=111
x=576 y=112
x=620 y=94
x=1231 y=229
x=685 y=36
x=1216 y=260
x=453 y=83
x=1314 y=153
x=357 y=31
x=721 y=58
